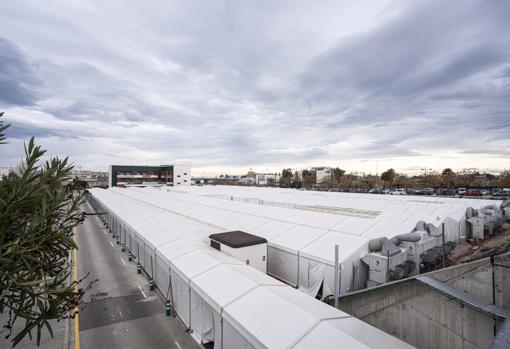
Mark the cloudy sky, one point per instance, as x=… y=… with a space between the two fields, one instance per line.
x=232 y=85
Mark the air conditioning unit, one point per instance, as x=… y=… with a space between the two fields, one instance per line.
x=476 y=225
x=383 y=268
x=416 y=250
x=247 y=248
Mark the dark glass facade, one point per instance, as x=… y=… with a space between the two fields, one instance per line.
x=131 y=175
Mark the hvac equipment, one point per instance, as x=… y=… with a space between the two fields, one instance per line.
x=386 y=261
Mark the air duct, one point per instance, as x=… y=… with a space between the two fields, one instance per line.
x=420 y=226
x=409 y=237
x=433 y=230
x=376 y=245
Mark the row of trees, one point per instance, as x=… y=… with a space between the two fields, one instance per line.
x=390 y=178
x=446 y=179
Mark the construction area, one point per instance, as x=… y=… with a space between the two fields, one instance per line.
x=259 y=267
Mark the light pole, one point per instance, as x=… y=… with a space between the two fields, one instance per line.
x=425 y=174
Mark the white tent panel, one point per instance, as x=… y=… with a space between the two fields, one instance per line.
x=324 y=336
x=214 y=289
x=221 y=285
x=248 y=223
x=266 y=320
x=350 y=333
x=316 y=263
x=272 y=229
x=327 y=220
x=296 y=238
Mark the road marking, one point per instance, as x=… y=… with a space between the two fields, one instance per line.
x=122 y=260
x=140 y=288
x=104 y=232
x=111 y=243
x=178 y=345
x=75 y=277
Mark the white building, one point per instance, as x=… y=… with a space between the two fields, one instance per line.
x=266 y=178
x=322 y=174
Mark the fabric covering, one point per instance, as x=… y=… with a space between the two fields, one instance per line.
x=220 y=299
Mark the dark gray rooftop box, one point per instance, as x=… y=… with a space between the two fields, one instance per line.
x=237 y=239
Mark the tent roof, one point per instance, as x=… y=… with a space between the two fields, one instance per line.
x=225 y=283
x=323 y=248
x=276 y=317
x=351 y=332
x=298 y=237
x=199 y=261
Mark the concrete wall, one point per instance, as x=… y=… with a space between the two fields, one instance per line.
x=425 y=318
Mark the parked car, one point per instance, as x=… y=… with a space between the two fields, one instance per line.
x=484 y=192
x=473 y=192
x=461 y=191
x=503 y=193
x=429 y=191
x=398 y=192
x=448 y=192
x=386 y=191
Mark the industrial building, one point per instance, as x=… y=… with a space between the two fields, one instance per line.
x=380 y=239
x=133 y=175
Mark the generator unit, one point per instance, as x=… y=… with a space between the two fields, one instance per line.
x=387 y=262
x=484 y=222
x=476 y=227
x=434 y=257
x=417 y=250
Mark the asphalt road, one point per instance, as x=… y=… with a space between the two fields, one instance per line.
x=120 y=311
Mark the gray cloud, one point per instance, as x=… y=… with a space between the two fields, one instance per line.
x=17 y=80
x=241 y=84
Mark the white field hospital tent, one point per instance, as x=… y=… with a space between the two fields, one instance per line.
x=224 y=301
x=303 y=227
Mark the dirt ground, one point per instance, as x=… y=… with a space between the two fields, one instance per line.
x=469 y=250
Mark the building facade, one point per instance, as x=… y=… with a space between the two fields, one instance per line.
x=266 y=178
x=129 y=175
x=323 y=174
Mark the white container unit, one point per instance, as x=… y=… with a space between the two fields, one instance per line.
x=247 y=248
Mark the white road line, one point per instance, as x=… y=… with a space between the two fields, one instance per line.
x=122 y=260
x=111 y=243
x=104 y=232
x=178 y=345
x=140 y=288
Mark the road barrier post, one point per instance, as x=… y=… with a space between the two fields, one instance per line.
x=138 y=268
x=168 y=309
